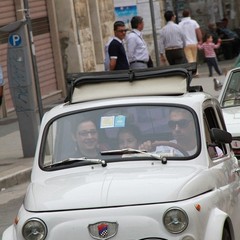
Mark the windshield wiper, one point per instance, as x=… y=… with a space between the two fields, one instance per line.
x=73 y=160
x=141 y=153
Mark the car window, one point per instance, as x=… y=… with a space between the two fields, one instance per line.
x=170 y=130
x=215 y=150
x=232 y=93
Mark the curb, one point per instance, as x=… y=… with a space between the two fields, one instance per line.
x=15 y=178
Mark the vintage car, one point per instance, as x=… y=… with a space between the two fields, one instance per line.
x=132 y=155
x=229 y=99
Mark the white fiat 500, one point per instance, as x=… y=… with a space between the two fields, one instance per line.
x=132 y=156
x=229 y=99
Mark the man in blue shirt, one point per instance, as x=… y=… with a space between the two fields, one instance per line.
x=116 y=50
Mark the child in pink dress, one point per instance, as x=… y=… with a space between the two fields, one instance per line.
x=210 y=56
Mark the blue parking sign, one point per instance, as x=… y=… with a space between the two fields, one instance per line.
x=15 y=40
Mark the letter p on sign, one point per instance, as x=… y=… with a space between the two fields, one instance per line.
x=15 y=40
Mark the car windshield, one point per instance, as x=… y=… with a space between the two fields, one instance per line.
x=231 y=95
x=122 y=133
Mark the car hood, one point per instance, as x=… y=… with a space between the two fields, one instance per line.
x=108 y=187
x=232 y=120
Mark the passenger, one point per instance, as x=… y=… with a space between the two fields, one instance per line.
x=129 y=137
x=86 y=138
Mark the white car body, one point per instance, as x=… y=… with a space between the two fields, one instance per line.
x=229 y=99
x=129 y=198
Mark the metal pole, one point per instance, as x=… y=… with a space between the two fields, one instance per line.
x=154 y=32
x=33 y=57
x=176 y=10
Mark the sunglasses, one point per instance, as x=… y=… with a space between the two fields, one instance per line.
x=122 y=31
x=183 y=123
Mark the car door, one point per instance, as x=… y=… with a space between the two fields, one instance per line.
x=223 y=165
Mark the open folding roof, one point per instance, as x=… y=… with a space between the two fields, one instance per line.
x=144 y=82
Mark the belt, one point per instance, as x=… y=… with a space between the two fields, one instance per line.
x=138 y=61
x=173 y=48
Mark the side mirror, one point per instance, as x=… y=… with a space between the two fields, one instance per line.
x=220 y=136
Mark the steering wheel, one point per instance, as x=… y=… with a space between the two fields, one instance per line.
x=172 y=145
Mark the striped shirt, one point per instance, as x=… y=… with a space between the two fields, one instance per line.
x=208 y=49
x=171 y=36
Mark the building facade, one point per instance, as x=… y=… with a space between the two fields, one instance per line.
x=46 y=43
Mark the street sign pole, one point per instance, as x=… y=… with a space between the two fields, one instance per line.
x=154 y=32
x=33 y=57
x=20 y=84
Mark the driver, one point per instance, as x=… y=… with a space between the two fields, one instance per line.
x=183 y=130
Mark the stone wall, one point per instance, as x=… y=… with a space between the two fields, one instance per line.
x=84 y=33
x=85 y=26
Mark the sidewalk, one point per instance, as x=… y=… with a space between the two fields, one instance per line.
x=15 y=169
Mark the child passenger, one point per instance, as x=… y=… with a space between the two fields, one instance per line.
x=128 y=137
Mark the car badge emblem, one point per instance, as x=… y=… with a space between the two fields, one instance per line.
x=103 y=230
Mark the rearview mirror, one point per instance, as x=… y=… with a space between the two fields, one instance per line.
x=220 y=136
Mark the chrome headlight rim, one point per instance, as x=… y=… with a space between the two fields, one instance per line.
x=179 y=210
x=42 y=224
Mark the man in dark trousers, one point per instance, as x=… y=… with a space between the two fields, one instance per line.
x=116 y=50
x=172 y=41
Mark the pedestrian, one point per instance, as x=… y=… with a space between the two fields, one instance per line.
x=208 y=48
x=212 y=29
x=172 y=41
x=116 y=50
x=233 y=48
x=193 y=34
x=137 y=51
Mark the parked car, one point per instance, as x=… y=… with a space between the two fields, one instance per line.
x=229 y=99
x=132 y=155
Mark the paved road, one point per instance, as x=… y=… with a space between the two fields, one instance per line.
x=10 y=202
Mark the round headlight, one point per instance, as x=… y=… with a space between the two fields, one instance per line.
x=175 y=220
x=34 y=229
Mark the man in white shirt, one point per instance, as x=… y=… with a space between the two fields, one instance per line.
x=137 y=51
x=192 y=31
x=172 y=41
